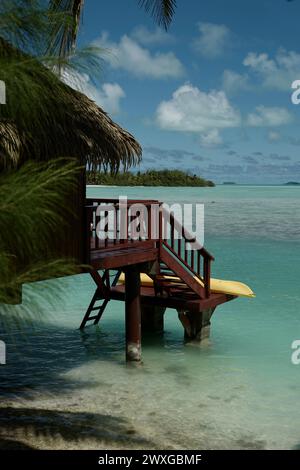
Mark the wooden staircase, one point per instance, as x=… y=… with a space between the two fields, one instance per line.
x=168 y=283
x=184 y=259
x=181 y=275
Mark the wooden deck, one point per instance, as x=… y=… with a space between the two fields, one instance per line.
x=123 y=256
x=180 y=302
x=128 y=238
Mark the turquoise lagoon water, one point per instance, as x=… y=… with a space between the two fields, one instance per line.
x=63 y=388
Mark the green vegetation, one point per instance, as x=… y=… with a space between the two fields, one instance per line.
x=31 y=216
x=34 y=195
x=149 y=178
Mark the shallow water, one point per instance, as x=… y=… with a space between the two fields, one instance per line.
x=69 y=389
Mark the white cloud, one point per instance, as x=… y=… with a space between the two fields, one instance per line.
x=212 y=40
x=233 y=82
x=149 y=37
x=211 y=138
x=130 y=56
x=192 y=110
x=108 y=96
x=269 y=116
x=278 y=72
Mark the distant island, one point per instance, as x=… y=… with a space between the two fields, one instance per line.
x=292 y=183
x=149 y=178
x=229 y=182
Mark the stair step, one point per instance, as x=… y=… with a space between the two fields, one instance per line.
x=161 y=278
x=170 y=281
x=176 y=286
x=184 y=295
x=174 y=279
x=184 y=290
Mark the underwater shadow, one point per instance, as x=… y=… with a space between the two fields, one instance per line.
x=39 y=356
x=39 y=424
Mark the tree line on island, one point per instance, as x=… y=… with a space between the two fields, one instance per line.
x=148 y=178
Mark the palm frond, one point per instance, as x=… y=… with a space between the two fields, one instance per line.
x=33 y=214
x=161 y=10
x=63 y=35
x=32 y=206
x=22 y=22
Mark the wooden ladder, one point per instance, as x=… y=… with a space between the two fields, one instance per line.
x=102 y=293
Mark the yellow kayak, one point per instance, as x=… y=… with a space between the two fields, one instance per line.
x=217 y=286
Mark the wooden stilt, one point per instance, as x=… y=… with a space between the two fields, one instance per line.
x=153 y=319
x=196 y=324
x=133 y=314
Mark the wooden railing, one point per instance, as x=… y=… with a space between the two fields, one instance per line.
x=112 y=224
x=186 y=249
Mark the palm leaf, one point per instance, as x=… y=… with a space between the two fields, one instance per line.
x=33 y=213
x=161 y=10
x=63 y=35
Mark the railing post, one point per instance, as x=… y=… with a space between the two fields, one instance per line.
x=198 y=263
x=172 y=228
x=116 y=215
x=179 y=246
x=97 y=222
x=207 y=276
x=88 y=233
x=124 y=213
x=149 y=223
x=192 y=259
x=160 y=230
x=106 y=215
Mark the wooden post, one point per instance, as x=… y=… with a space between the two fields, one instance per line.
x=132 y=314
x=196 y=324
x=153 y=319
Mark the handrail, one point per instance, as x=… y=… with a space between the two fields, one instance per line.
x=189 y=238
x=193 y=265
x=130 y=202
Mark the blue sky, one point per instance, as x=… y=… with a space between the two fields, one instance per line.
x=213 y=95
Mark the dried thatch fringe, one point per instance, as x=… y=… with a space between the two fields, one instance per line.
x=57 y=121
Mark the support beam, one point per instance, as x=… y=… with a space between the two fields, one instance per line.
x=133 y=314
x=153 y=319
x=196 y=324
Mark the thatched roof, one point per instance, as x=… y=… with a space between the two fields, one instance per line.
x=45 y=118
